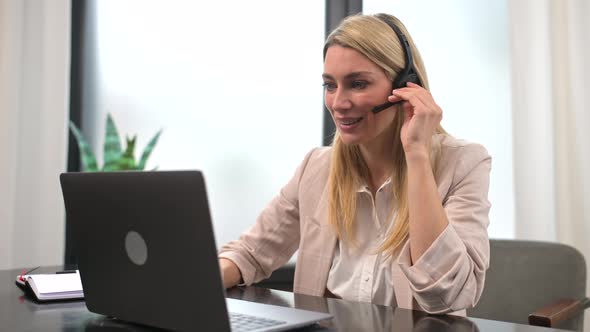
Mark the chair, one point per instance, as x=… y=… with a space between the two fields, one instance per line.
x=281 y=279
x=536 y=283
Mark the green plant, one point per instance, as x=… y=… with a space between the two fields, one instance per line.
x=115 y=159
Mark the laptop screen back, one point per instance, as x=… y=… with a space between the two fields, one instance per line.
x=145 y=247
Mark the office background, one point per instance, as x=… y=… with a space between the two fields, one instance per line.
x=236 y=87
x=244 y=102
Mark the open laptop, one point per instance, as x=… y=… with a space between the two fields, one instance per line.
x=146 y=254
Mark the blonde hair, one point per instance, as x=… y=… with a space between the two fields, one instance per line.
x=372 y=37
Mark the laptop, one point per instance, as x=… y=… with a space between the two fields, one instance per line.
x=146 y=254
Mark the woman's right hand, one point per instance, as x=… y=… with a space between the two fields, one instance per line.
x=230 y=273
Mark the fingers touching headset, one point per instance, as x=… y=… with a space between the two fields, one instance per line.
x=422 y=117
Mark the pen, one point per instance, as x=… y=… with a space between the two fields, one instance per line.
x=65 y=271
x=29 y=271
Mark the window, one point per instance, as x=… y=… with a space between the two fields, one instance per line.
x=236 y=87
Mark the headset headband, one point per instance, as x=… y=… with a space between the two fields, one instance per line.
x=408 y=73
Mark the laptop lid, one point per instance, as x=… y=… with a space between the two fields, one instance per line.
x=146 y=251
x=145 y=247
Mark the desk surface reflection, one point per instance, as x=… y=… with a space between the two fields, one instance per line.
x=19 y=313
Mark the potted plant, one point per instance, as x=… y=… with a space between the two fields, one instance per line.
x=115 y=158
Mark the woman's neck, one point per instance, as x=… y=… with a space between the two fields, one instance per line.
x=378 y=158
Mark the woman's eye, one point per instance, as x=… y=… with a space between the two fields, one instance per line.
x=359 y=85
x=329 y=86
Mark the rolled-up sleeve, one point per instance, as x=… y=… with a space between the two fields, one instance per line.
x=450 y=275
x=273 y=239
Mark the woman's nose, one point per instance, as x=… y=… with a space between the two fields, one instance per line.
x=341 y=101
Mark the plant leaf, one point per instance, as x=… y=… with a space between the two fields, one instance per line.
x=86 y=156
x=127 y=160
x=112 y=146
x=148 y=150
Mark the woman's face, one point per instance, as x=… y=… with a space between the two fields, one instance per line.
x=353 y=86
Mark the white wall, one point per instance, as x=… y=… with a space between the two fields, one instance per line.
x=34 y=81
x=237 y=91
x=466 y=50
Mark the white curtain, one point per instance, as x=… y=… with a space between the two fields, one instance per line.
x=34 y=85
x=550 y=46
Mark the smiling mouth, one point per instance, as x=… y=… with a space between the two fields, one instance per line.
x=350 y=122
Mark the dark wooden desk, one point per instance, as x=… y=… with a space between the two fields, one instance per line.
x=19 y=313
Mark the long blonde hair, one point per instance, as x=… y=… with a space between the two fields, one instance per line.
x=372 y=37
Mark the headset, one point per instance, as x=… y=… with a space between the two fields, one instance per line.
x=408 y=74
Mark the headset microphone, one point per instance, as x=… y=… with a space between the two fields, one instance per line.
x=384 y=106
x=408 y=74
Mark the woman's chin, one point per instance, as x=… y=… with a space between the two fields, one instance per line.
x=350 y=139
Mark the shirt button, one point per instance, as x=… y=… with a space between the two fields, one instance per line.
x=366 y=279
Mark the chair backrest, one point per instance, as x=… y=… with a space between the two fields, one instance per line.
x=525 y=276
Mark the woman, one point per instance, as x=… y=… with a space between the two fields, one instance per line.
x=396 y=211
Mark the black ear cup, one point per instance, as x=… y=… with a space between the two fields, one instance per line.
x=403 y=80
x=399 y=82
x=413 y=78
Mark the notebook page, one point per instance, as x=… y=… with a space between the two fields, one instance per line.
x=57 y=283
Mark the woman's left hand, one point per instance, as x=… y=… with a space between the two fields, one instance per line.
x=421 y=118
